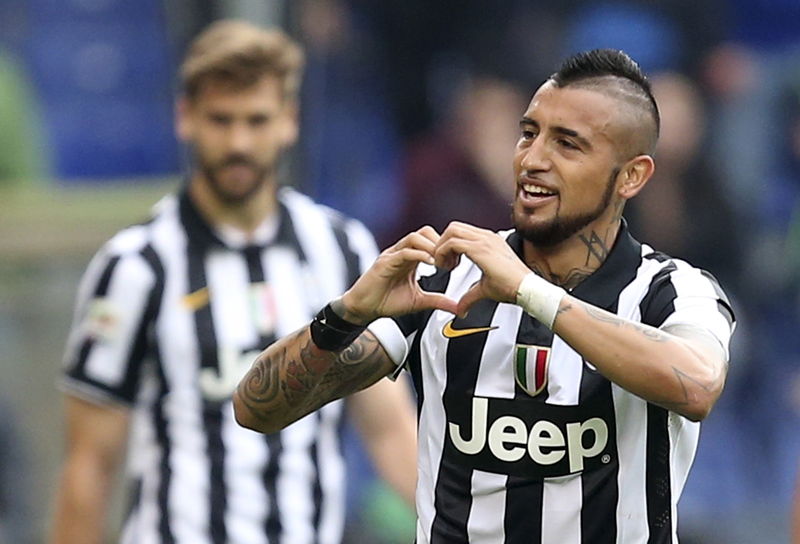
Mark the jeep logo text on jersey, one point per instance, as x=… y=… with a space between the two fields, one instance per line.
x=555 y=447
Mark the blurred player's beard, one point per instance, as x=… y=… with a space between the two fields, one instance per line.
x=562 y=227
x=228 y=193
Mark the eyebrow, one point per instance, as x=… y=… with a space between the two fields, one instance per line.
x=559 y=130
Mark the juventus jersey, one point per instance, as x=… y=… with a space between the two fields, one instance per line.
x=521 y=440
x=170 y=315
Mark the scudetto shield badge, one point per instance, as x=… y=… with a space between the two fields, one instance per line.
x=531 y=368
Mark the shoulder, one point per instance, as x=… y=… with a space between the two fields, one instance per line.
x=299 y=203
x=304 y=210
x=677 y=287
x=130 y=252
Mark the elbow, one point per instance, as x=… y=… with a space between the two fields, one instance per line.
x=699 y=410
x=246 y=417
x=696 y=414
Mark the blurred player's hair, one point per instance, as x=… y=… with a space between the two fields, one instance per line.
x=239 y=54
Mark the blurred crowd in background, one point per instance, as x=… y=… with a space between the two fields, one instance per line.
x=409 y=117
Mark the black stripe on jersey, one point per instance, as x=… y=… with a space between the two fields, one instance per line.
x=409 y=323
x=453 y=482
x=273 y=524
x=350 y=256
x=655 y=307
x=659 y=302
x=723 y=303
x=144 y=335
x=287 y=234
x=317 y=491
x=657 y=477
x=105 y=278
x=164 y=468
x=100 y=290
x=525 y=497
x=212 y=412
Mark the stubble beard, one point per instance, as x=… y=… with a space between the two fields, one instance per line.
x=561 y=228
x=232 y=198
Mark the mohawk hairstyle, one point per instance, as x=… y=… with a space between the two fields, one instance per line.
x=604 y=63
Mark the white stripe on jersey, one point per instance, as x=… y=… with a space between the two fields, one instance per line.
x=631 y=413
x=433 y=420
x=564 y=386
x=561 y=502
x=486 y=519
x=251 y=501
x=487 y=514
x=313 y=231
x=295 y=439
x=562 y=497
x=231 y=299
x=332 y=475
x=281 y=265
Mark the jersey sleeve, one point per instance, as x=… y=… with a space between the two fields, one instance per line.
x=107 y=344
x=683 y=295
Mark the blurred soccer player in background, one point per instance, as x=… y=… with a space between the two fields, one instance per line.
x=171 y=313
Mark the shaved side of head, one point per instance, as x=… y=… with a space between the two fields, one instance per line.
x=616 y=75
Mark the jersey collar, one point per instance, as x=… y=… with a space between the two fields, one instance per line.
x=201 y=234
x=603 y=286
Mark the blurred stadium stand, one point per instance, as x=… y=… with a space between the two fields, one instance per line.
x=105 y=82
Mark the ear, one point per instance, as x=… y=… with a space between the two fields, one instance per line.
x=634 y=175
x=184 y=127
x=290 y=123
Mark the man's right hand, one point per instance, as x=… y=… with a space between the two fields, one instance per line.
x=390 y=287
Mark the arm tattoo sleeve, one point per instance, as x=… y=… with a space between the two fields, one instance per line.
x=294 y=377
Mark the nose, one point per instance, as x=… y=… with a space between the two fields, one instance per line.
x=535 y=156
x=240 y=138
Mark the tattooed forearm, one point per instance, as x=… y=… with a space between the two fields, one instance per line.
x=293 y=377
x=261 y=385
x=607 y=317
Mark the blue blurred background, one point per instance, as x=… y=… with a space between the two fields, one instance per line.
x=410 y=113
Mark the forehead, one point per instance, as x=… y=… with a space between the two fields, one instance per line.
x=266 y=93
x=584 y=110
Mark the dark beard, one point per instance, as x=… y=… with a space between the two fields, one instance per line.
x=210 y=173
x=561 y=228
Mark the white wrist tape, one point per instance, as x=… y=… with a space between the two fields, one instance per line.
x=540 y=298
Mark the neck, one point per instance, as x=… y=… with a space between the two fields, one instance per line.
x=576 y=258
x=246 y=215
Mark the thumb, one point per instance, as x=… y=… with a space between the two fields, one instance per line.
x=468 y=299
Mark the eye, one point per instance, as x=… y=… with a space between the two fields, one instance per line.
x=219 y=119
x=567 y=144
x=527 y=134
x=258 y=120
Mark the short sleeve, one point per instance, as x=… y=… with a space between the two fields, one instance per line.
x=116 y=301
x=684 y=295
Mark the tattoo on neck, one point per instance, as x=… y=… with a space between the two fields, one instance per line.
x=596 y=247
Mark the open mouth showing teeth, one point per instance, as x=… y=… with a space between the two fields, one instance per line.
x=535 y=190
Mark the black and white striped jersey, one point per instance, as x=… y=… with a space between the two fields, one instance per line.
x=170 y=315
x=522 y=441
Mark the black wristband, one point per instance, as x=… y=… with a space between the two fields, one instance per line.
x=331 y=332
